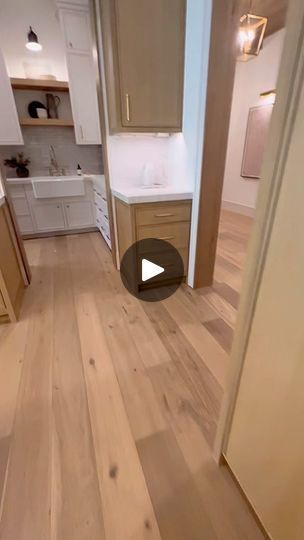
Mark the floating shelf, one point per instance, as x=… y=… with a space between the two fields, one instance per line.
x=46 y=122
x=39 y=84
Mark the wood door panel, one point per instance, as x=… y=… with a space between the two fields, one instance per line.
x=151 y=61
x=152 y=214
x=175 y=233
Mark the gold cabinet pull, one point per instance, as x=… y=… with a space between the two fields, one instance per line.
x=166 y=238
x=128 y=107
x=167 y=214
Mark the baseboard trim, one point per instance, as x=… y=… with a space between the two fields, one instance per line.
x=238 y=208
x=65 y=232
x=224 y=463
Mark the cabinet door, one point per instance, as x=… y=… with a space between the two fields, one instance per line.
x=83 y=95
x=79 y=214
x=49 y=216
x=10 y=132
x=76 y=28
x=150 y=43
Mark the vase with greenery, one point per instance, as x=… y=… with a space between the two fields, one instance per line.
x=20 y=164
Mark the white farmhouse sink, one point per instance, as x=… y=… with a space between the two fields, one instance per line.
x=47 y=187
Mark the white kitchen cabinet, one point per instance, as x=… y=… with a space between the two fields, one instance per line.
x=83 y=96
x=22 y=209
x=78 y=214
x=76 y=27
x=75 y=24
x=10 y=132
x=49 y=217
x=25 y=224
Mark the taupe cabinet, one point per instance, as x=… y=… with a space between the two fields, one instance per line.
x=169 y=221
x=144 y=42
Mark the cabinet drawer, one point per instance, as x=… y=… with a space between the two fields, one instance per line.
x=100 y=191
x=164 y=259
x=102 y=216
x=154 y=214
x=101 y=203
x=175 y=233
x=104 y=229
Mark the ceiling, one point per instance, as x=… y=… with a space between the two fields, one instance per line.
x=274 y=10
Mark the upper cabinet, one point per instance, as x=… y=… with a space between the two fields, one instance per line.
x=76 y=28
x=75 y=23
x=144 y=44
x=10 y=132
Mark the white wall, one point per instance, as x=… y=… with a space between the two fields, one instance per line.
x=15 y=18
x=251 y=78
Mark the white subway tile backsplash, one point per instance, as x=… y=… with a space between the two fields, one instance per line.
x=37 y=141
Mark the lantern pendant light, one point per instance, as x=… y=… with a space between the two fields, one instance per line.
x=251 y=34
x=32 y=41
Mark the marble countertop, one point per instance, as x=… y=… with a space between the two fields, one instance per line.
x=138 y=194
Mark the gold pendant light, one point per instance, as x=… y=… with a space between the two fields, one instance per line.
x=251 y=34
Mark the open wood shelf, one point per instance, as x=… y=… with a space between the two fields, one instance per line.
x=46 y=122
x=39 y=84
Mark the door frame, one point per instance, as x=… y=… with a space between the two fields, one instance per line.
x=94 y=10
x=290 y=83
x=225 y=20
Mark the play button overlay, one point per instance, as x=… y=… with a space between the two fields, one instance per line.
x=152 y=269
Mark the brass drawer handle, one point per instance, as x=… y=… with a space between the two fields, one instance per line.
x=166 y=238
x=128 y=107
x=167 y=214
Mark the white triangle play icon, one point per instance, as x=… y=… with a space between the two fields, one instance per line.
x=150 y=270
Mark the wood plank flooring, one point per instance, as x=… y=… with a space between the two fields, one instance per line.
x=109 y=406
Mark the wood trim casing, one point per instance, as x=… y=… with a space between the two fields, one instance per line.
x=23 y=261
x=222 y=61
x=97 y=62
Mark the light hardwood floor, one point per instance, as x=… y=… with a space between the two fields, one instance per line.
x=108 y=406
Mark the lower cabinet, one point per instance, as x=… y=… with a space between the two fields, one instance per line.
x=60 y=216
x=169 y=221
x=36 y=216
x=78 y=214
x=49 y=216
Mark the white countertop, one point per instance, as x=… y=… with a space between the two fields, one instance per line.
x=30 y=179
x=138 y=194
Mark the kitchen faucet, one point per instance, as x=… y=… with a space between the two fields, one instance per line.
x=54 y=168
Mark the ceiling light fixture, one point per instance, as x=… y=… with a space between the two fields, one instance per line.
x=32 y=41
x=251 y=35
